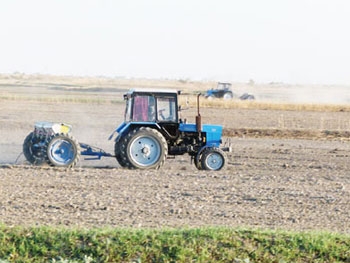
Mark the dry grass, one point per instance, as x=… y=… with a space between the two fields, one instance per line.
x=262 y=105
x=61 y=99
x=185 y=101
x=84 y=91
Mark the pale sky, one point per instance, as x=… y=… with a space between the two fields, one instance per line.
x=290 y=41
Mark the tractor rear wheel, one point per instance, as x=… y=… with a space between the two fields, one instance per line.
x=62 y=150
x=32 y=151
x=228 y=96
x=212 y=159
x=118 y=153
x=143 y=148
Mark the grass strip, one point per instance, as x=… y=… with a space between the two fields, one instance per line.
x=62 y=99
x=189 y=101
x=211 y=244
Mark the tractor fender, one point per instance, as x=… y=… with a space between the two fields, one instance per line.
x=117 y=130
x=125 y=127
x=120 y=130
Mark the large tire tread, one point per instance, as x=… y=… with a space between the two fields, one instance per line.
x=118 y=146
x=37 y=158
x=121 y=148
x=69 y=138
x=206 y=153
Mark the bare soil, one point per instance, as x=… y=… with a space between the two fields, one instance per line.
x=288 y=170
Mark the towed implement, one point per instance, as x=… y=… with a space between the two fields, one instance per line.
x=150 y=133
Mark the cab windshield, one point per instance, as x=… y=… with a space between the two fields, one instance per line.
x=150 y=108
x=166 y=109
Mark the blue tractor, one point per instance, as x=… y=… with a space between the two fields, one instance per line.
x=223 y=90
x=151 y=132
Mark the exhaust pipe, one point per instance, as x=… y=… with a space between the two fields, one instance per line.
x=198 y=117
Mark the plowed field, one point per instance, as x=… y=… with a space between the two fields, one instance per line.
x=287 y=170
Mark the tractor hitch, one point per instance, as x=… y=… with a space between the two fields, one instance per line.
x=93 y=151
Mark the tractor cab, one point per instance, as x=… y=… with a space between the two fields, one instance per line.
x=153 y=106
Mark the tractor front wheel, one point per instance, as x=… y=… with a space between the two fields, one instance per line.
x=143 y=148
x=62 y=150
x=212 y=159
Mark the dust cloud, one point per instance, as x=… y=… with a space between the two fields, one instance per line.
x=286 y=93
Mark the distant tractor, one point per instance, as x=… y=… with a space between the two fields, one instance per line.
x=151 y=132
x=224 y=91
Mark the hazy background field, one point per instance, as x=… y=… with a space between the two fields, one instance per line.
x=264 y=92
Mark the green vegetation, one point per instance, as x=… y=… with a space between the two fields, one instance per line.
x=45 y=244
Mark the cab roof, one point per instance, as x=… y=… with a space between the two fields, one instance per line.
x=150 y=91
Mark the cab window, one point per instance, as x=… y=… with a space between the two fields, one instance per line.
x=144 y=108
x=166 y=109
